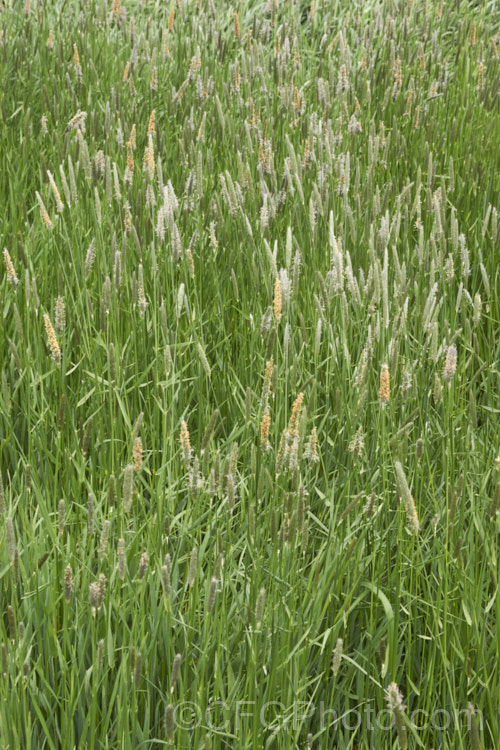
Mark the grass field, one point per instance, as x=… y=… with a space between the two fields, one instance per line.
x=249 y=402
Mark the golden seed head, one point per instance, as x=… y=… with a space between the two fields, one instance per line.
x=43 y=211
x=55 y=351
x=131 y=140
x=384 y=390
x=293 y=425
x=417 y=117
x=411 y=514
x=171 y=17
x=151 y=124
x=266 y=387
x=117 y=10
x=277 y=299
x=59 y=203
x=236 y=25
x=11 y=274
x=77 y=122
x=264 y=431
x=268 y=373
x=185 y=444
x=76 y=56
x=50 y=40
x=130 y=158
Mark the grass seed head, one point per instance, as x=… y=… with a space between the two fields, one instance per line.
x=90 y=513
x=68 y=584
x=174 y=675
x=193 y=566
x=61 y=515
x=122 y=562
x=128 y=486
x=337 y=656
x=185 y=445
x=212 y=592
x=55 y=191
x=10 y=539
x=143 y=565
x=103 y=543
x=384 y=390
x=43 y=211
x=411 y=511
x=60 y=314
x=397 y=709
x=259 y=607
x=311 y=448
x=11 y=274
x=169 y=722
x=55 y=351
x=137 y=454
x=473 y=727
x=450 y=365
x=264 y=431
x=166 y=576
x=277 y=299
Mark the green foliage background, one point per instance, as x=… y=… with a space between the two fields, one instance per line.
x=266 y=110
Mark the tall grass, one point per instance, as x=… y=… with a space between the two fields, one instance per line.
x=249 y=374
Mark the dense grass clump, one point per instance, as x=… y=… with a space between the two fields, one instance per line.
x=249 y=412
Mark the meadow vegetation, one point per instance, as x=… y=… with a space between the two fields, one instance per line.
x=249 y=413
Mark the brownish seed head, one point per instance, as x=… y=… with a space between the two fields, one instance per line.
x=277 y=299
x=384 y=390
x=137 y=454
x=264 y=431
x=55 y=351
